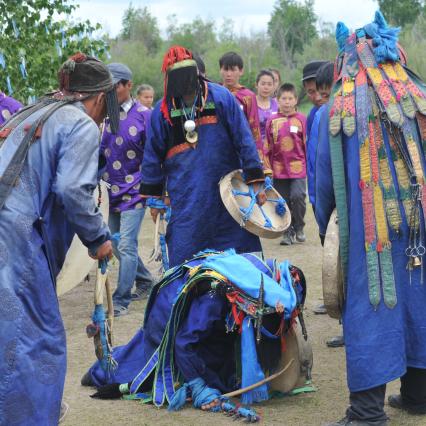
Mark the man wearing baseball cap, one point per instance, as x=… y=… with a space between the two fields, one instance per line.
x=123 y=152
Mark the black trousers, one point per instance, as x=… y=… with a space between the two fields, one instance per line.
x=368 y=405
x=294 y=193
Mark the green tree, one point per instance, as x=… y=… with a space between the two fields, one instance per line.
x=198 y=36
x=291 y=28
x=400 y=12
x=139 y=25
x=34 y=44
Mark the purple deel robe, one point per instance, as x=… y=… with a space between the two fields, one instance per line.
x=8 y=107
x=124 y=154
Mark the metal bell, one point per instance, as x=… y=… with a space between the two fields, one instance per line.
x=417 y=261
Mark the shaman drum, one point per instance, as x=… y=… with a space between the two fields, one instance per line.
x=77 y=262
x=262 y=221
x=299 y=372
x=332 y=279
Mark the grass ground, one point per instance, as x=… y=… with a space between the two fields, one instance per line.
x=314 y=409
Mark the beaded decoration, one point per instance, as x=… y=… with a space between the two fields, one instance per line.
x=378 y=101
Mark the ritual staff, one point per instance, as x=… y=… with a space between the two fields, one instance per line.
x=49 y=166
x=231 y=70
x=199 y=134
x=124 y=153
x=8 y=107
x=370 y=167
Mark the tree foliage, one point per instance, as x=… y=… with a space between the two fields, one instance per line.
x=34 y=43
x=401 y=12
x=138 y=24
x=291 y=28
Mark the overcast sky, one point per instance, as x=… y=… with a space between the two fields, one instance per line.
x=247 y=14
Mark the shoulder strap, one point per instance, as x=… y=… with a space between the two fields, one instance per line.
x=14 y=168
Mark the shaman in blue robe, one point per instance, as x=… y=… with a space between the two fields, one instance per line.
x=381 y=342
x=191 y=176
x=51 y=200
x=190 y=326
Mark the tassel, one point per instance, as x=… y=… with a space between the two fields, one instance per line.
x=251 y=370
x=179 y=398
x=173 y=55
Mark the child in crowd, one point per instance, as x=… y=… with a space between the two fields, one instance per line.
x=145 y=95
x=277 y=80
x=266 y=105
x=231 y=70
x=286 y=137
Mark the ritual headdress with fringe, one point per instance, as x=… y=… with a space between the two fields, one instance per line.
x=88 y=75
x=381 y=102
x=181 y=76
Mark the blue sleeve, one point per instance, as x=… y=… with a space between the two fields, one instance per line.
x=240 y=133
x=75 y=181
x=324 y=192
x=311 y=154
x=154 y=154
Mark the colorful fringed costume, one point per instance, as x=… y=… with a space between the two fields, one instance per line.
x=370 y=166
x=200 y=328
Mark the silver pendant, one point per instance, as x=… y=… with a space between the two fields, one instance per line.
x=189 y=125
x=192 y=137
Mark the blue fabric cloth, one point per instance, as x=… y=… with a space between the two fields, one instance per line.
x=203 y=349
x=131 y=268
x=381 y=343
x=56 y=183
x=310 y=119
x=199 y=219
x=240 y=271
x=311 y=154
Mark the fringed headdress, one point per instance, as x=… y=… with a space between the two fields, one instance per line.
x=181 y=74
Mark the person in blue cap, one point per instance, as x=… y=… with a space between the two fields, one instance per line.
x=124 y=154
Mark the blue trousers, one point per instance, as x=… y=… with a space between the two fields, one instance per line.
x=128 y=224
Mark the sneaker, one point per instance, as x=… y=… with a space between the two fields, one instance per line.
x=286 y=241
x=64 y=411
x=140 y=294
x=120 y=311
x=300 y=237
x=320 y=310
x=336 y=342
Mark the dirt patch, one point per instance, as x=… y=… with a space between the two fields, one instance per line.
x=329 y=375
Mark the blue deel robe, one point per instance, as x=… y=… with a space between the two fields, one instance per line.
x=380 y=344
x=311 y=155
x=310 y=119
x=199 y=219
x=57 y=184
